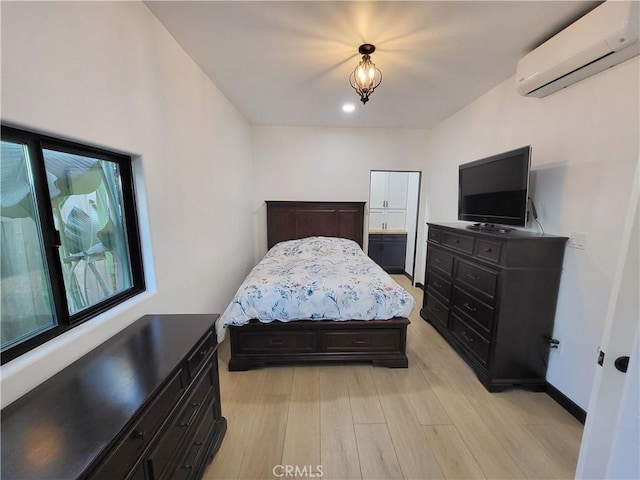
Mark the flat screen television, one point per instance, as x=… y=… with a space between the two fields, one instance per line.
x=494 y=190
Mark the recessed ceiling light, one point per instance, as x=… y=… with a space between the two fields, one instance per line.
x=348 y=107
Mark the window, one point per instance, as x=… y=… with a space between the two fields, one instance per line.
x=70 y=245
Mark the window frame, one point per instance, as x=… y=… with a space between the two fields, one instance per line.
x=36 y=143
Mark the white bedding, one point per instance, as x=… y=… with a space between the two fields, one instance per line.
x=316 y=278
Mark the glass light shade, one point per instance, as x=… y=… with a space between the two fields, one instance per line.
x=365 y=78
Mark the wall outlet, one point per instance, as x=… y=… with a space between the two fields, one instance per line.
x=578 y=240
x=556 y=347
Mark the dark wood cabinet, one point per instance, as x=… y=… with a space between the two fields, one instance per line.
x=493 y=296
x=143 y=405
x=389 y=250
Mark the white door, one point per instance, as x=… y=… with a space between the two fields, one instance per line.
x=378 y=191
x=376 y=218
x=624 y=461
x=395 y=219
x=611 y=440
x=397 y=190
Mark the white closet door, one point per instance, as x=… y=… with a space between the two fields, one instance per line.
x=397 y=190
x=395 y=219
x=378 y=190
x=376 y=218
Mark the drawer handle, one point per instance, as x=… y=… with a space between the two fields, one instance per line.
x=137 y=434
x=198 y=444
x=455 y=240
x=468 y=307
x=472 y=276
x=276 y=343
x=184 y=424
x=187 y=467
x=488 y=250
x=439 y=260
x=466 y=337
x=437 y=284
x=196 y=404
x=360 y=342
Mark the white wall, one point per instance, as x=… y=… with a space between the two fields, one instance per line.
x=300 y=163
x=585 y=147
x=110 y=75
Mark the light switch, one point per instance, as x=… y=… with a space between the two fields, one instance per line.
x=578 y=240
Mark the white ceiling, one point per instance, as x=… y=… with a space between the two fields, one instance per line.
x=288 y=62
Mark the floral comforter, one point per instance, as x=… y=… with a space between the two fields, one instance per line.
x=316 y=278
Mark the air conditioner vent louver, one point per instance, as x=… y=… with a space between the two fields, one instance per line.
x=577 y=71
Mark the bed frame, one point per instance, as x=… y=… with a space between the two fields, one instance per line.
x=256 y=344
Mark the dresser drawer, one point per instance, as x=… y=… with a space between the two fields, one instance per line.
x=474 y=309
x=478 y=278
x=488 y=250
x=162 y=454
x=139 y=474
x=196 y=448
x=276 y=342
x=442 y=261
x=140 y=435
x=436 y=310
x=359 y=340
x=439 y=285
x=434 y=235
x=200 y=354
x=470 y=339
x=457 y=241
x=197 y=398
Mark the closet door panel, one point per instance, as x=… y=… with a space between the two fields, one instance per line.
x=397 y=187
x=395 y=219
x=378 y=189
x=376 y=219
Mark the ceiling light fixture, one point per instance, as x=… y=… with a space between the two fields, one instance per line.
x=366 y=77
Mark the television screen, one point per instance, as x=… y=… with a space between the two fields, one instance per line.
x=494 y=190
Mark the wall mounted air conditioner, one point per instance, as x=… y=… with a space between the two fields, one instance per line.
x=604 y=37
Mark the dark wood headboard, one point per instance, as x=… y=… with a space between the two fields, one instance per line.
x=293 y=220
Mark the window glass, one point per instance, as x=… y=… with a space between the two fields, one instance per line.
x=27 y=308
x=70 y=242
x=87 y=205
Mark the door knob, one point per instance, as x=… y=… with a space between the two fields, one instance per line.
x=622 y=364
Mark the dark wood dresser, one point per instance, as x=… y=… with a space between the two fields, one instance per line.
x=143 y=405
x=493 y=296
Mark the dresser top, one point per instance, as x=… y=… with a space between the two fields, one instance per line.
x=510 y=234
x=57 y=429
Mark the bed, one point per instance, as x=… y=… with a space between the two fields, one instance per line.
x=299 y=317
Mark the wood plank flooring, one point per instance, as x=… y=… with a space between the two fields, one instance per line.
x=433 y=420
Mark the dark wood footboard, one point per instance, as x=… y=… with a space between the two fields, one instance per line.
x=382 y=342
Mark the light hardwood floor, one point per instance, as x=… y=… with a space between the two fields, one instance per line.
x=432 y=420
